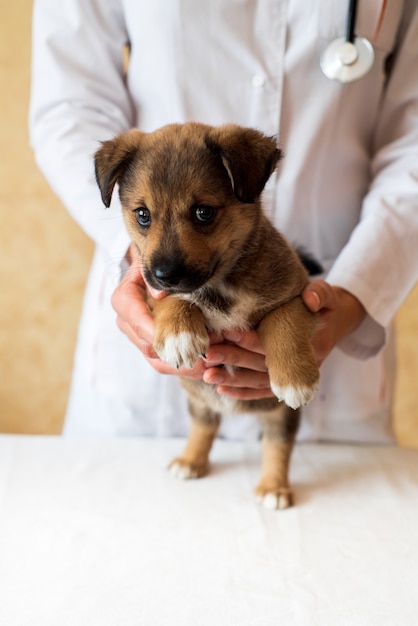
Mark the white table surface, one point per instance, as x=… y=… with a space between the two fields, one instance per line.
x=98 y=533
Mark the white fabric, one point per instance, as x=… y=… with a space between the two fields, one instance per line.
x=347 y=189
x=99 y=534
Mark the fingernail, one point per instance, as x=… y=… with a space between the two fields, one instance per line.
x=316 y=298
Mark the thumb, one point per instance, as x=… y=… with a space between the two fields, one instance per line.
x=155 y=293
x=318 y=295
x=135 y=272
x=311 y=299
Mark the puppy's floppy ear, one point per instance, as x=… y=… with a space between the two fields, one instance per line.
x=112 y=159
x=248 y=156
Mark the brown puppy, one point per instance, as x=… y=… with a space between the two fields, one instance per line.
x=191 y=200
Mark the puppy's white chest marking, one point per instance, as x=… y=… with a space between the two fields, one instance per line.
x=237 y=314
x=236 y=318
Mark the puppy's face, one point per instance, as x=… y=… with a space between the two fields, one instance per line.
x=190 y=197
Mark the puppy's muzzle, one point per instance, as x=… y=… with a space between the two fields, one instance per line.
x=168 y=275
x=175 y=276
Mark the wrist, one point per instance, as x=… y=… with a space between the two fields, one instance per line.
x=351 y=312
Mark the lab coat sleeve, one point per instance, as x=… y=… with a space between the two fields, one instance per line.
x=379 y=264
x=79 y=98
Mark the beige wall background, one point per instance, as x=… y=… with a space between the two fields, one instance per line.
x=44 y=262
x=44 y=256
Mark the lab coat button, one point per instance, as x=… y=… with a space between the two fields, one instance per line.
x=258 y=81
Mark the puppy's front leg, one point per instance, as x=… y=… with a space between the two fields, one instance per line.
x=180 y=332
x=279 y=431
x=194 y=462
x=286 y=334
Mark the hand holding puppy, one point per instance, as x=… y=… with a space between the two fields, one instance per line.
x=340 y=311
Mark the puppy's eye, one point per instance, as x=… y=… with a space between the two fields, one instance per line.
x=143 y=217
x=204 y=214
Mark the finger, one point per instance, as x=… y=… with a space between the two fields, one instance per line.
x=318 y=295
x=194 y=373
x=231 y=354
x=128 y=300
x=135 y=273
x=144 y=346
x=247 y=339
x=156 y=293
x=240 y=378
x=245 y=393
x=215 y=337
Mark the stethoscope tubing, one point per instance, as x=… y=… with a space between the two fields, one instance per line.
x=351 y=21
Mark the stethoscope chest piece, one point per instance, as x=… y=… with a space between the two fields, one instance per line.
x=345 y=61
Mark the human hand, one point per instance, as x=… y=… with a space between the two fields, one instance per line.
x=339 y=310
x=247 y=378
x=340 y=314
x=135 y=320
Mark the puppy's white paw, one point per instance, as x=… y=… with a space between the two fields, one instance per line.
x=187 y=470
x=275 y=501
x=294 y=396
x=183 y=349
x=184 y=472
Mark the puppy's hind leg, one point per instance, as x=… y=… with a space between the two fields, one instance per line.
x=279 y=432
x=194 y=461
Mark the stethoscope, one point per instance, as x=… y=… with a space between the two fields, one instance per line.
x=348 y=58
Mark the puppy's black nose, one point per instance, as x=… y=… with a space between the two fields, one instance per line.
x=168 y=276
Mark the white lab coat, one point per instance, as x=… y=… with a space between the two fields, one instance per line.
x=347 y=189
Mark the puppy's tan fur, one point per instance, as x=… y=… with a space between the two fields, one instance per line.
x=191 y=201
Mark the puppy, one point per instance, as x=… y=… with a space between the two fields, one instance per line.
x=191 y=202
